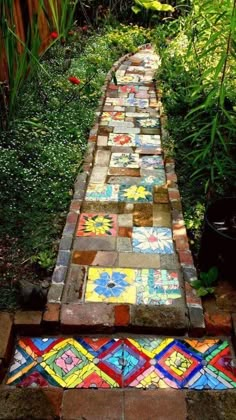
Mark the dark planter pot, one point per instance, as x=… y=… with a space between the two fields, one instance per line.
x=218 y=245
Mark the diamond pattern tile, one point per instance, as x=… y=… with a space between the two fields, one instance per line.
x=107 y=362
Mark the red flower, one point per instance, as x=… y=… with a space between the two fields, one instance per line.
x=74 y=80
x=84 y=28
x=54 y=35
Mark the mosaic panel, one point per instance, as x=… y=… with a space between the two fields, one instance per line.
x=112 y=116
x=128 y=89
x=148 y=122
x=151 y=162
x=102 y=192
x=111 y=285
x=97 y=225
x=124 y=160
x=128 y=78
x=107 y=362
x=148 y=140
x=136 y=193
x=140 y=103
x=133 y=286
x=121 y=140
x=152 y=240
x=159 y=287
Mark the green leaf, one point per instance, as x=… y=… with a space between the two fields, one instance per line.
x=202 y=292
x=196 y=284
x=213 y=274
x=114 y=78
x=136 y=9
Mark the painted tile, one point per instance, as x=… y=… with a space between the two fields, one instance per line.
x=136 y=193
x=128 y=78
x=102 y=192
x=151 y=162
x=121 y=140
x=128 y=89
x=124 y=160
x=152 y=240
x=157 y=287
x=148 y=140
x=112 y=116
x=148 y=122
x=111 y=285
x=140 y=103
x=107 y=362
x=93 y=224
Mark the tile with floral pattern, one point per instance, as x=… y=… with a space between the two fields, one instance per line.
x=136 y=193
x=112 y=116
x=111 y=285
x=94 y=224
x=152 y=240
x=102 y=192
x=148 y=122
x=151 y=162
x=124 y=160
x=121 y=140
x=128 y=78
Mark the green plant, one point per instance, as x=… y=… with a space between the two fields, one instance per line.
x=45 y=259
x=62 y=15
x=151 y=5
x=206 y=282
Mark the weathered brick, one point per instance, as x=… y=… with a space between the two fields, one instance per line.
x=28 y=322
x=122 y=315
x=98 y=316
x=52 y=313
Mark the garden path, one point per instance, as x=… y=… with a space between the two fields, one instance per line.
x=129 y=271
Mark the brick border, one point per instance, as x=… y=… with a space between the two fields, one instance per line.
x=189 y=272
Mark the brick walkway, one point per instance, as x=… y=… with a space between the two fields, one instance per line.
x=130 y=264
x=124 y=269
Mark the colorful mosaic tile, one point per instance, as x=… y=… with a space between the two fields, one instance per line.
x=152 y=240
x=107 y=362
x=140 y=103
x=133 y=286
x=97 y=225
x=111 y=285
x=148 y=122
x=136 y=193
x=124 y=160
x=129 y=78
x=102 y=192
x=121 y=140
x=148 y=140
x=112 y=116
x=157 y=287
x=151 y=162
x=128 y=89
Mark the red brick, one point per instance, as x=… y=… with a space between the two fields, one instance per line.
x=72 y=217
x=181 y=243
x=93 y=315
x=125 y=232
x=6 y=323
x=83 y=257
x=218 y=323
x=113 y=87
x=28 y=321
x=52 y=313
x=174 y=194
x=75 y=205
x=93 y=404
x=124 y=171
x=54 y=396
x=122 y=315
x=171 y=177
x=159 y=404
x=185 y=257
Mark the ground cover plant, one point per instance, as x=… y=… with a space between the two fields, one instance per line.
x=198 y=76
x=42 y=149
